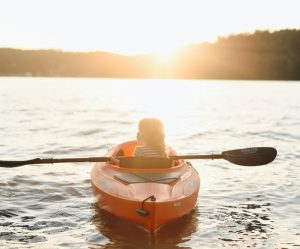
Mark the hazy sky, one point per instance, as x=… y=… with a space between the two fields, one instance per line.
x=136 y=26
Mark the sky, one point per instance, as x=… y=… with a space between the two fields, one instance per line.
x=136 y=26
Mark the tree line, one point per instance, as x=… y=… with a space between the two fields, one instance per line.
x=262 y=55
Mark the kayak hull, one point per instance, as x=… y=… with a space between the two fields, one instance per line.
x=146 y=197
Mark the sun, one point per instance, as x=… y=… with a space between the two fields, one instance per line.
x=166 y=53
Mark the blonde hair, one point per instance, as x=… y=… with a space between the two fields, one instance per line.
x=152 y=133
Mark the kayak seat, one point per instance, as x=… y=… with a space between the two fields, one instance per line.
x=120 y=153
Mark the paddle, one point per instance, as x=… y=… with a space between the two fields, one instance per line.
x=246 y=157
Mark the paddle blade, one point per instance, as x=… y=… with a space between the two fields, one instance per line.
x=12 y=164
x=251 y=156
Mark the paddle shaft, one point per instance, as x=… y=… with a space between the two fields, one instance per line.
x=212 y=156
x=72 y=160
x=9 y=164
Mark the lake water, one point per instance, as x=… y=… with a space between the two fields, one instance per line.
x=52 y=206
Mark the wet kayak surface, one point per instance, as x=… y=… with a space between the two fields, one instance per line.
x=52 y=206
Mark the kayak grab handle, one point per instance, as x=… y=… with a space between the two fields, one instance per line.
x=141 y=211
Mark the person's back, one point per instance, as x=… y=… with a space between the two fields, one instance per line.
x=148 y=151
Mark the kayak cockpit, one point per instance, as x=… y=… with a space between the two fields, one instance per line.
x=125 y=151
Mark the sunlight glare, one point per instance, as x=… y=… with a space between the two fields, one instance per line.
x=166 y=53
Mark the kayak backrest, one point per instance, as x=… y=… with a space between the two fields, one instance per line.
x=126 y=149
x=145 y=162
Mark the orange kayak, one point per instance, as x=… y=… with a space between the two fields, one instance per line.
x=148 y=192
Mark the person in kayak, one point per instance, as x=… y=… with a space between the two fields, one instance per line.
x=151 y=139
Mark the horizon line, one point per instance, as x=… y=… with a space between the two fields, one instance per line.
x=146 y=53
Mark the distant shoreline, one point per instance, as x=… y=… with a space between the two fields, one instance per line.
x=263 y=55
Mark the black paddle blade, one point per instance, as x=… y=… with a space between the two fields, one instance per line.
x=251 y=156
x=12 y=164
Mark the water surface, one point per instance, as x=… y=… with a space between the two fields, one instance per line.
x=52 y=206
